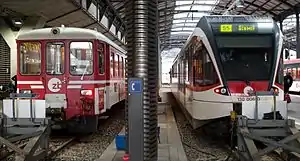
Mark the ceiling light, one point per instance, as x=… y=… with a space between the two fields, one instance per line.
x=239 y=3
x=18 y=23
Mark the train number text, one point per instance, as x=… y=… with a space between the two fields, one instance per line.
x=241 y=99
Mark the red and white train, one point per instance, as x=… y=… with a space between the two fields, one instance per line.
x=293 y=66
x=223 y=61
x=79 y=72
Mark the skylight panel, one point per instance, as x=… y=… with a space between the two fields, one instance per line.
x=180 y=15
x=201 y=7
x=178 y=21
x=183 y=7
x=195 y=20
x=176 y=29
x=183 y=2
x=181 y=33
x=205 y=2
x=197 y=14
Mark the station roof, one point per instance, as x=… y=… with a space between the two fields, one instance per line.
x=178 y=18
x=92 y=14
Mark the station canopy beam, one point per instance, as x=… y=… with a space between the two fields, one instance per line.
x=174 y=14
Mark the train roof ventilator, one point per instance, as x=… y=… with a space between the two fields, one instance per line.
x=22 y=117
x=253 y=123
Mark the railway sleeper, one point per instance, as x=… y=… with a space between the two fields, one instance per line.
x=279 y=136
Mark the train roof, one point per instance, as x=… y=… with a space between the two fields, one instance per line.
x=236 y=18
x=67 y=33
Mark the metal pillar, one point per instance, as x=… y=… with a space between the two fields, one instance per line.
x=142 y=57
x=297 y=35
x=280 y=23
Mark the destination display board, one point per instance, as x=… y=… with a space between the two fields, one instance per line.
x=246 y=28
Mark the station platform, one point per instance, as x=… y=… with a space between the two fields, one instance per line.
x=294 y=109
x=170 y=147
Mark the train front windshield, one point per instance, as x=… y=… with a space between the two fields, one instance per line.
x=246 y=58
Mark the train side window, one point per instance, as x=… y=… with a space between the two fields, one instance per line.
x=175 y=70
x=122 y=67
x=116 y=65
x=30 y=58
x=189 y=62
x=205 y=73
x=112 y=65
x=280 y=72
x=101 y=59
x=125 y=62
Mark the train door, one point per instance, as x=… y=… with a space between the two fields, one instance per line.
x=110 y=88
x=116 y=79
x=55 y=78
x=100 y=91
x=81 y=73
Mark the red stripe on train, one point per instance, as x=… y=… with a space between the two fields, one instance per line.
x=238 y=86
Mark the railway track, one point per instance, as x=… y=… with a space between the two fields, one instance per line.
x=207 y=143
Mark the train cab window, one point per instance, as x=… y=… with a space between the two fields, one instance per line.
x=204 y=72
x=30 y=58
x=116 y=65
x=249 y=64
x=101 y=59
x=112 y=65
x=81 y=58
x=55 y=58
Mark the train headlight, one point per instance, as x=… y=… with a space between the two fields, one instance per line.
x=275 y=90
x=221 y=90
x=86 y=92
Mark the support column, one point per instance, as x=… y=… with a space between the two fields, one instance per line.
x=280 y=23
x=142 y=62
x=297 y=35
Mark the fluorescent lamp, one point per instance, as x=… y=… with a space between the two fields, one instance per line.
x=18 y=22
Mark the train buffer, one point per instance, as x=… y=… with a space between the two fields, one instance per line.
x=25 y=118
x=264 y=121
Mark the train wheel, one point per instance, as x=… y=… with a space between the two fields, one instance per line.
x=91 y=123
